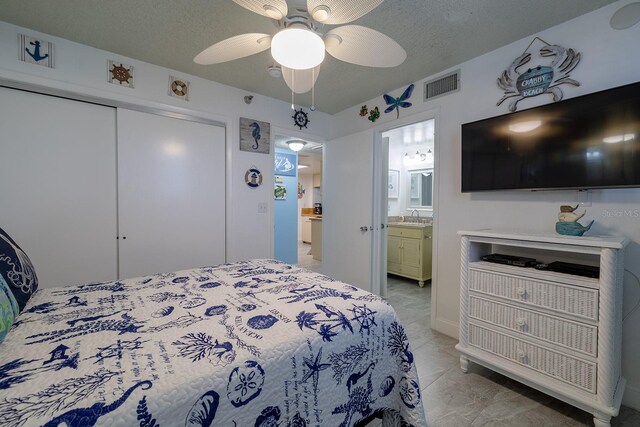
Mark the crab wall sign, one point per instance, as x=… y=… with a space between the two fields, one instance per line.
x=520 y=83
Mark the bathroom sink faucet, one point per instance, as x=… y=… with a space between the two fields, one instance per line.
x=417 y=212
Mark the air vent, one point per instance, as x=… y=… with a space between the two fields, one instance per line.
x=442 y=85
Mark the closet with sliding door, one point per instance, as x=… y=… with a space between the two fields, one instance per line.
x=95 y=193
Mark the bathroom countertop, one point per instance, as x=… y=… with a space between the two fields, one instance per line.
x=409 y=224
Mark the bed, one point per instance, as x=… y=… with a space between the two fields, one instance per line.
x=255 y=343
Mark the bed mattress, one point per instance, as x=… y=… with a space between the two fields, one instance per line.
x=255 y=343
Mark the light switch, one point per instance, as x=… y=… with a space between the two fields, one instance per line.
x=262 y=208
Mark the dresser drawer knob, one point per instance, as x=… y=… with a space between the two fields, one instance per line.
x=521 y=321
x=520 y=354
x=522 y=292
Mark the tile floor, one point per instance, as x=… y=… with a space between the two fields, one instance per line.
x=481 y=397
x=305 y=260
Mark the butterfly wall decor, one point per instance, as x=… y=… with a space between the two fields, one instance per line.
x=401 y=101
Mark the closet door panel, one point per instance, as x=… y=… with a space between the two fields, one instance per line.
x=171 y=194
x=58 y=185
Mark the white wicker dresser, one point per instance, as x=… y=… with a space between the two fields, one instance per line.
x=558 y=333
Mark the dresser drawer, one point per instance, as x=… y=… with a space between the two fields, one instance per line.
x=565 y=299
x=554 y=330
x=569 y=369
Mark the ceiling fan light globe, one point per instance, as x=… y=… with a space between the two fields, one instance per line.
x=296 y=145
x=272 y=12
x=297 y=48
x=321 y=13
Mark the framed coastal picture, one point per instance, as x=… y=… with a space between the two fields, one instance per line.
x=393 y=183
x=280 y=192
x=255 y=136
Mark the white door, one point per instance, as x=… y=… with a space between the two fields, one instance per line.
x=58 y=185
x=381 y=213
x=171 y=194
x=347 y=213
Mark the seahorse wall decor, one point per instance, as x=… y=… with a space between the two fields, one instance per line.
x=568 y=224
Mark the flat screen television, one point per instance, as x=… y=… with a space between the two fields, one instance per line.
x=591 y=141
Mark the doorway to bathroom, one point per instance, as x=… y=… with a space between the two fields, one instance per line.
x=410 y=207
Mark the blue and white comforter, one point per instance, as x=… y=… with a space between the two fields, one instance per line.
x=257 y=343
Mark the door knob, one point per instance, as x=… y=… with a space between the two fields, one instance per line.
x=382 y=226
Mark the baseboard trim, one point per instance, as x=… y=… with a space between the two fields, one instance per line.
x=632 y=397
x=446 y=327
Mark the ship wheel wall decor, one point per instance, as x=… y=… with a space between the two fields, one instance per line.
x=300 y=118
x=120 y=74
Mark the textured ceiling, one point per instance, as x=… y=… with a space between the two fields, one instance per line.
x=436 y=34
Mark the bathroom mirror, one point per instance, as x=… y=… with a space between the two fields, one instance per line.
x=421 y=188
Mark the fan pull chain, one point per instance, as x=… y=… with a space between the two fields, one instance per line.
x=313 y=90
x=293 y=84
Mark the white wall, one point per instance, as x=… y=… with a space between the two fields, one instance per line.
x=83 y=69
x=610 y=58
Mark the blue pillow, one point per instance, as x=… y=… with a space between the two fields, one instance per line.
x=8 y=309
x=17 y=270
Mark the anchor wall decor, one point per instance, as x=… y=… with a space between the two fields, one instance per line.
x=35 y=51
x=539 y=79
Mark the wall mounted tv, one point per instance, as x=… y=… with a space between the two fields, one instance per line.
x=591 y=141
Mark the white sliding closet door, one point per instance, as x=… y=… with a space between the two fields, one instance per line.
x=171 y=194
x=58 y=185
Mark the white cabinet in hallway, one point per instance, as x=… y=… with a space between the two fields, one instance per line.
x=306 y=229
x=316 y=238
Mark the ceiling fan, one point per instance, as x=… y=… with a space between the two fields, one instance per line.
x=299 y=46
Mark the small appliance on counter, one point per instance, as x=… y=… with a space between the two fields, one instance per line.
x=317 y=208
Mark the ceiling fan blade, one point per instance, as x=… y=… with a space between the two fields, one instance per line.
x=300 y=81
x=334 y=12
x=234 y=48
x=275 y=9
x=364 y=46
